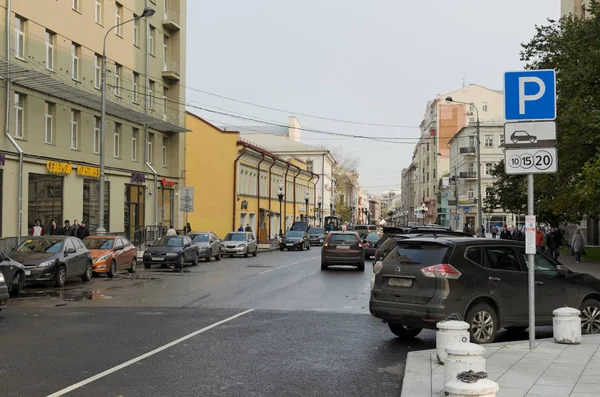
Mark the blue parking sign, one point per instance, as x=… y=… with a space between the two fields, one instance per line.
x=530 y=95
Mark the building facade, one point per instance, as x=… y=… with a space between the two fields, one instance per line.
x=51 y=73
x=577 y=8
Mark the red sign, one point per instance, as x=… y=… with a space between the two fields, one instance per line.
x=168 y=183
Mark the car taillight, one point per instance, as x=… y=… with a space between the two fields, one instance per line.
x=377 y=267
x=367 y=245
x=441 y=271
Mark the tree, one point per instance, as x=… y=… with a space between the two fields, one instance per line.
x=344 y=161
x=341 y=209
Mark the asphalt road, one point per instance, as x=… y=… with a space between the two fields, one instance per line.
x=274 y=325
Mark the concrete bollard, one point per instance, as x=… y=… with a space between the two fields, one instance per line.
x=463 y=357
x=449 y=333
x=566 y=326
x=481 y=388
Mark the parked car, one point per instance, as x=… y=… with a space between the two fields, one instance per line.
x=343 y=248
x=316 y=235
x=370 y=243
x=3 y=293
x=295 y=240
x=208 y=244
x=485 y=281
x=239 y=243
x=171 y=250
x=53 y=259
x=111 y=254
x=13 y=273
x=300 y=226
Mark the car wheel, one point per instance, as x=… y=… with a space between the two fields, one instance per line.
x=112 y=270
x=532 y=140
x=255 y=252
x=404 y=332
x=218 y=256
x=133 y=267
x=324 y=266
x=483 y=322
x=515 y=140
x=87 y=276
x=147 y=266
x=61 y=277
x=590 y=316
x=361 y=267
x=18 y=283
x=246 y=253
x=280 y=248
x=209 y=256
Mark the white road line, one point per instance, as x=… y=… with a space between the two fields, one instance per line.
x=143 y=356
x=288 y=265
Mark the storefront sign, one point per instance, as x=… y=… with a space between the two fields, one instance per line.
x=83 y=170
x=138 y=178
x=168 y=183
x=2 y=159
x=59 y=168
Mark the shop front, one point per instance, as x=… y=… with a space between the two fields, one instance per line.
x=166 y=202
x=135 y=205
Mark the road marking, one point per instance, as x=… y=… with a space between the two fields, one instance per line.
x=143 y=356
x=288 y=265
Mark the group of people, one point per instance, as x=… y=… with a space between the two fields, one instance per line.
x=247 y=229
x=79 y=230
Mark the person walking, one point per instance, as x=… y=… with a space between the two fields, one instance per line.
x=241 y=228
x=505 y=234
x=37 y=229
x=54 y=229
x=74 y=228
x=187 y=229
x=494 y=232
x=539 y=239
x=553 y=243
x=171 y=231
x=248 y=228
x=577 y=245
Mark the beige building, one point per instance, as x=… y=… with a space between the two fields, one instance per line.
x=50 y=65
x=575 y=7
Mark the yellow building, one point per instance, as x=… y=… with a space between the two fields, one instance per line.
x=228 y=173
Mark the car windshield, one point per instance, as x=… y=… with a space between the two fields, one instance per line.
x=99 y=243
x=235 y=237
x=294 y=234
x=316 y=230
x=201 y=238
x=41 y=245
x=372 y=238
x=419 y=253
x=342 y=238
x=169 y=242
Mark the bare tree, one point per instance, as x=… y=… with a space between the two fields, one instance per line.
x=346 y=161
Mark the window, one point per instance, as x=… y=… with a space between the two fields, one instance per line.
x=98 y=11
x=150 y=147
x=91 y=203
x=501 y=258
x=117 y=140
x=97 y=71
x=501 y=140
x=165 y=142
x=50 y=39
x=489 y=141
x=543 y=264
x=471 y=141
x=19 y=37
x=165 y=101
x=118 y=18
x=75 y=129
x=48 y=122
x=97 y=126
x=309 y=166
x=75 y=52
x=151 y=95
x=76 y=5
x=136 y=31
x=488 y=168
x=151 y=38
x=484 y=106
x=166 y=53
x=474 y=255
x=118 y=71
x=471 y=194
x=134 y=87
x=19 y=115
x=45 y=199
x=134 y=138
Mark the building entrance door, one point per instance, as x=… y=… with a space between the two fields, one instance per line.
x=135 y=212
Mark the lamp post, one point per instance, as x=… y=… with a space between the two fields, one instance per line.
x=280 y=196
x=423 y=209
x=319 y=211
x=331 y=205
x=479 y=202
x=306 y=207
x=148 y=12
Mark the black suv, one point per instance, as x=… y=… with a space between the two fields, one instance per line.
x=426 y=280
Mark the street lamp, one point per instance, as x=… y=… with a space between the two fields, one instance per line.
x=331 y=205
x=479 y=202
x=280 y=196
x=306 y=207
x=423 y=209
x=148 y=12
x=319 y=211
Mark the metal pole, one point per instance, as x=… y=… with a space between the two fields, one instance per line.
x=479 y=202
x=531 y=259
x=100 y=229
x=456 y=192
x=280 y=218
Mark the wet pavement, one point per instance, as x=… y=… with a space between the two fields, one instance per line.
x=308 y=334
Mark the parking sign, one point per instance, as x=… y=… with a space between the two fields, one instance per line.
x=530 y=95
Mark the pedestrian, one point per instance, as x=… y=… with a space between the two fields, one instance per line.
x=74 y=228
x=187 y=229
x=171 y=231
x=82 y=231
x=466 y=228
x=241 y=228
x=539 y=239
x=494 y=232
x=54 y=229
x=505 y=234
x=66 y=230
x=482 y=231
x=248 y=228
x=553 y=240
x=37 y=229
x=577 y=245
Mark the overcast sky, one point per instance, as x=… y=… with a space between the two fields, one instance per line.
x=375 y=61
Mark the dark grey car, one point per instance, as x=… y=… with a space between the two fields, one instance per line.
x=14 y=274
x=317 y=235
x=53 y=259
x=208 y=244
x=171 y=250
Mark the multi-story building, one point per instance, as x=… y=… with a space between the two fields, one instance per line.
x=51 y=85
x=408 y=193
x=578 y=8
x=347 y=188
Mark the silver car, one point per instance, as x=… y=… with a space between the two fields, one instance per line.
x=239 y=243
x=208 y=244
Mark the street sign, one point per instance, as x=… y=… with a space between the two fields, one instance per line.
x=466 y=210
x=186 y=199
x=530 y=95
x=416 y=212
x=457 y=218
x=530 y=234
x=530 y=134
x=530 y=161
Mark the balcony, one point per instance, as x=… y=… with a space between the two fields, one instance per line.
x=171 y=20
x=467 y=175
x=171 y=70
x=469 y=150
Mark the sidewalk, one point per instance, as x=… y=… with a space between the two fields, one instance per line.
x=550 y=369
x=590 y=266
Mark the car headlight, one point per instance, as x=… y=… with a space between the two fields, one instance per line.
x=1 y=277
x=203 y=248
x=46 y=264
x=241 y=245
x=102 y=258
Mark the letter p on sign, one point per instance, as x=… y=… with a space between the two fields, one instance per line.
x=523 y=97
x=530 y=95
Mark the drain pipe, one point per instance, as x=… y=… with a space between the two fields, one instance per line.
x=7 y=126
x=235 y=190
x=294 y=187
x=285 y=196
x=258 y=192
x=315 y=196
x=269 y=194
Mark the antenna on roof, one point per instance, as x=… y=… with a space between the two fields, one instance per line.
x=464 y=81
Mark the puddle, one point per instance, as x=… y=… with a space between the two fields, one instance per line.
x=67 y=295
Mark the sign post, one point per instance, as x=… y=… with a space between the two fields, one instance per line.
x=186 y=201
x=530 y=140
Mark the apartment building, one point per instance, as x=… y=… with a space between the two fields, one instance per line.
x=51 y=69
x=577 y=8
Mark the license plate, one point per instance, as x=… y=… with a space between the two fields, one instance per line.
x=289 y=245
x=342 y=247
x=158 y=259
x=28 y=272
x=400 y=282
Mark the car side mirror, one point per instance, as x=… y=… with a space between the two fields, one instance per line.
x=70 y=251
x=562 y=271
x=119 y=248
x=148 y=244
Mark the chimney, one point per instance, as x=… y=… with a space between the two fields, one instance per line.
x=294 y=132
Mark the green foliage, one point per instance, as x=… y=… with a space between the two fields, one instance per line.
x=341 y=209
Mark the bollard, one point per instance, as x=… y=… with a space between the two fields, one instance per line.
x=463 y=357
x=481 y=388
x=450 y=333
x=566 y=326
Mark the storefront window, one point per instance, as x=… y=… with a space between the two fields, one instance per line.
x=166 y=199
x=1 y=194
x=45 y=201
x=135 y=212
x=91 y=204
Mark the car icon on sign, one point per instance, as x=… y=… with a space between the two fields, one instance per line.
x=522 y=136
